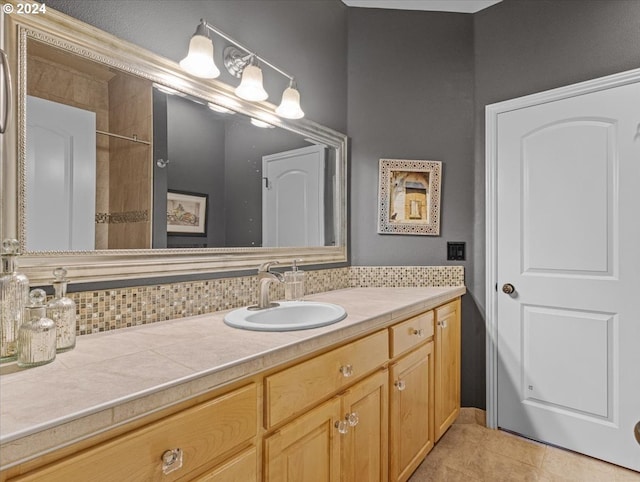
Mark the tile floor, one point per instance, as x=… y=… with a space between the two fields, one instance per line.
x=471 y=452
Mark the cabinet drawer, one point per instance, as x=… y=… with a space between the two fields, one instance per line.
x=241 y=468
x=202 y=433
x=411 y=333
x=303 y=385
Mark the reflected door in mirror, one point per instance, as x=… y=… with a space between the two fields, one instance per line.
x=293 y=197
x=61 y=175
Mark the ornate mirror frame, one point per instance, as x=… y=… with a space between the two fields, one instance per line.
x=62 y=31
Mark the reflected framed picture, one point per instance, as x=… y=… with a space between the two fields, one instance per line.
x=409 y=197
x=187 y=213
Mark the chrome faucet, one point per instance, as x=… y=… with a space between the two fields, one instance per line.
x=265 y=278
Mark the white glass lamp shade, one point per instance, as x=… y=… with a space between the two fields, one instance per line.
x=250 y=87
x=199 y=60
x=290 y=105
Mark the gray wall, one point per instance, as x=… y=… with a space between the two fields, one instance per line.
x=411 y=97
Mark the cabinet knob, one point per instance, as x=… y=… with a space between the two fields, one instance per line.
x=352 y=419
x=418 y=332
x=342 y=426
x=400 y=385
x=442 y=324
x=171 y=460
x=346 y=370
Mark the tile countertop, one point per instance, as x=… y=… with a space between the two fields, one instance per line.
x=111 y=378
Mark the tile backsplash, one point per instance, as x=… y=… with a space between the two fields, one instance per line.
x=104 y=310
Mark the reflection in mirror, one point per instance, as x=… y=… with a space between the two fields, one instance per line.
x=88 y=152
x=265 y=186
x=105 y=147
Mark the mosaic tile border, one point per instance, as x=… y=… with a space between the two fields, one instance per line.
x=122 y=217
x=405 y=276
x=105 y=310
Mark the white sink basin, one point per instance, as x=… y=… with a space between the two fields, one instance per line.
x=288 y=316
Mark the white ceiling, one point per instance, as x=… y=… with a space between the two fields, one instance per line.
x=461 y=6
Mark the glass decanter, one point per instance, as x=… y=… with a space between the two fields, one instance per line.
x=62 y=311
x=37 y=334
x=14 y=294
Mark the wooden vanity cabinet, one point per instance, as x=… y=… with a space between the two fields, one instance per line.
x=345 y=438
x=365 y=411
x=411 y=430
x=447 y=366
x=177 y=447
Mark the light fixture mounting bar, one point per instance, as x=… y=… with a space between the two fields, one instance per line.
x=242 y=47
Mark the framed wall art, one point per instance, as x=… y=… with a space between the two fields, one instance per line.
x=409 y=197
x=187 y=213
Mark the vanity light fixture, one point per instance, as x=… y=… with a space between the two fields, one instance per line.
x=240 y=62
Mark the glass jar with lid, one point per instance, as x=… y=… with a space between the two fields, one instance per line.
x=14 y=294
x=62 y=311
x=37 y=334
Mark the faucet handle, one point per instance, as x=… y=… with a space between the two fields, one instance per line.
x=264 y=267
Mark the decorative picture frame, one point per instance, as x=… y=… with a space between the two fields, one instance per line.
x=187 y=213
x=409 y=197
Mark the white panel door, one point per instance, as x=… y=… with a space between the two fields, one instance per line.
x=568 y=240
x=293 y=198
x=61 y=177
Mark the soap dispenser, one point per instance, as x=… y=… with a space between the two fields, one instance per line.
x=14 y=294
x=62 y=311
x=37 y=334
x=294 y=283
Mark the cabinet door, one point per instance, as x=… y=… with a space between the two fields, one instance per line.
x=366 y=413
x=307 y=449
x=447 y=377
x=411 y=413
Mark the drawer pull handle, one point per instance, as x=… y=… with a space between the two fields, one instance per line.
x=352 y=418
x=418 y=332
x=346 y=370
x=342 y=426
x=400 y=385
x=171 y=460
